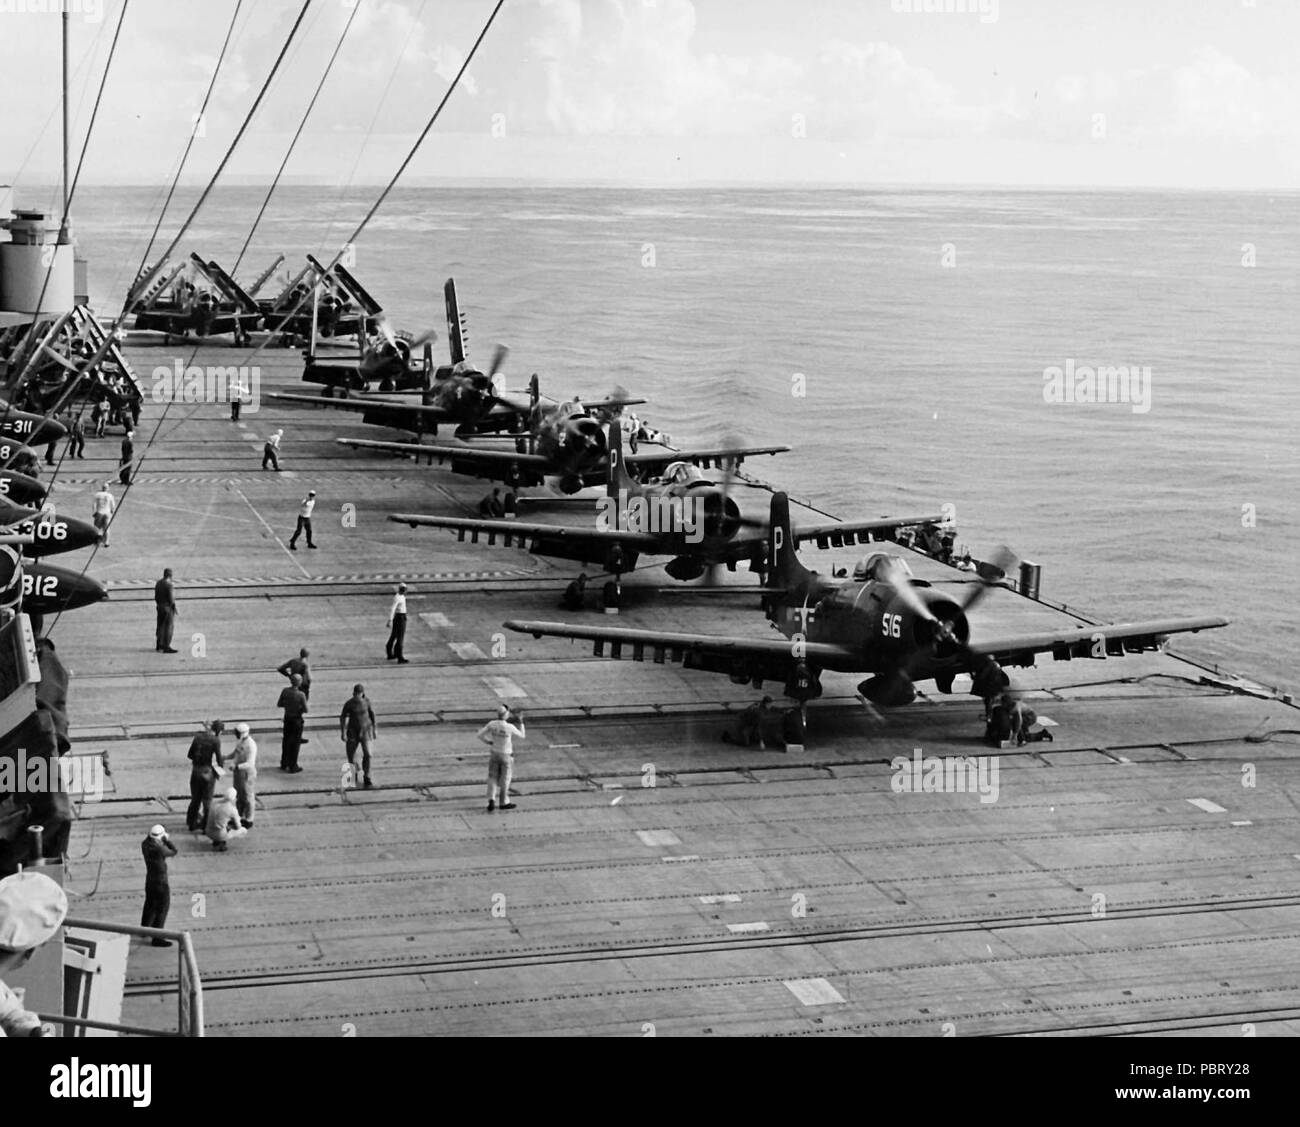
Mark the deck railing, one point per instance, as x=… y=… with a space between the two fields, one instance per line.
x=189 y=986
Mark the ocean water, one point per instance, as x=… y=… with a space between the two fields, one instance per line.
x=897 y=339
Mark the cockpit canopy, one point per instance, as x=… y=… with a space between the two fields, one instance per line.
x=682 y=473
x=879 y=565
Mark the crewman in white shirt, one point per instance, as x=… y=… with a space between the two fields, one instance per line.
x=500 y=733
x=397 y=626
x=105 y=505
x=304 y=521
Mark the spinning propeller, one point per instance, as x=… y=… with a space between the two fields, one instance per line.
x=949 y=635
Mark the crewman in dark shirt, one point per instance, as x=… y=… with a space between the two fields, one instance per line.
x=295 y=708
x=164 y=598
x=205 y=755
x=301 y=666
x=157 y=848
x=128 y=453
x=357 y=726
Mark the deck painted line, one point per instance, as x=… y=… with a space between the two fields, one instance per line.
x=654 y=838
x=561 y=747
x=617 y=800
x=1048 y=722
x=505 y=688
x=467 y=650
x=721 y=898
x=813 y=991
x=745 y=929
x=1208 y=806
x=683 y=857
x=1245 y=823
x=271 y=532
x=1123 y=759
x=435 y=619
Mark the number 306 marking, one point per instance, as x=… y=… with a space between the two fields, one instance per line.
x=891 y=625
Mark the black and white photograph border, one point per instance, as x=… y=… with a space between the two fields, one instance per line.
x=738 y=519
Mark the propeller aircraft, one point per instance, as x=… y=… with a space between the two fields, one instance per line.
x=683 y=514
x=881 y=622
x=179 y=308
x=564 y=440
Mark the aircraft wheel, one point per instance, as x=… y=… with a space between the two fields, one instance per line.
x=612 y=595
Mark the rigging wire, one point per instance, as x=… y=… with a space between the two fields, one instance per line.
x=86 y=55
x=370 y=129
x=298 y=133
x=25 y=356
x=383 y=195
x=131 y=300
x=189 y=144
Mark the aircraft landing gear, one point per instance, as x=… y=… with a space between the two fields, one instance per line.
x=795 y=726
x=612 y=596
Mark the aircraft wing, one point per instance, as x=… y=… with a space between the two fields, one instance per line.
x=704 y=458
x=832 y=534
x=432 y=450
x=524 y=531
x=1092 y=641
x=356 y=403
x=611 y=404
x=837 y=534
x=698 y=651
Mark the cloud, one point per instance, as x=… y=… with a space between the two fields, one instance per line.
x=628 y=68
x=1212 y=97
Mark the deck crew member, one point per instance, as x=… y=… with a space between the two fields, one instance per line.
x=295 y=708
x=243 y=763
x=223 y=820
x=499 y=735
x=164 y=597
x=32 y=909
x=157 y=848
x=397 y=626
x=205 y=755
x=300 y=665
x=1023 y=718
x=77 y=438
x=304 y=521
x=357 y=726
x=102 y=510
x=271 y=451
x=128 y=452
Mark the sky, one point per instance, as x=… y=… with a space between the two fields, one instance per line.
x=1190 y=94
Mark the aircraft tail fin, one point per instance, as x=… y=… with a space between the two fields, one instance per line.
x=619 y=479
x=457 y=337
x=783 y=567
